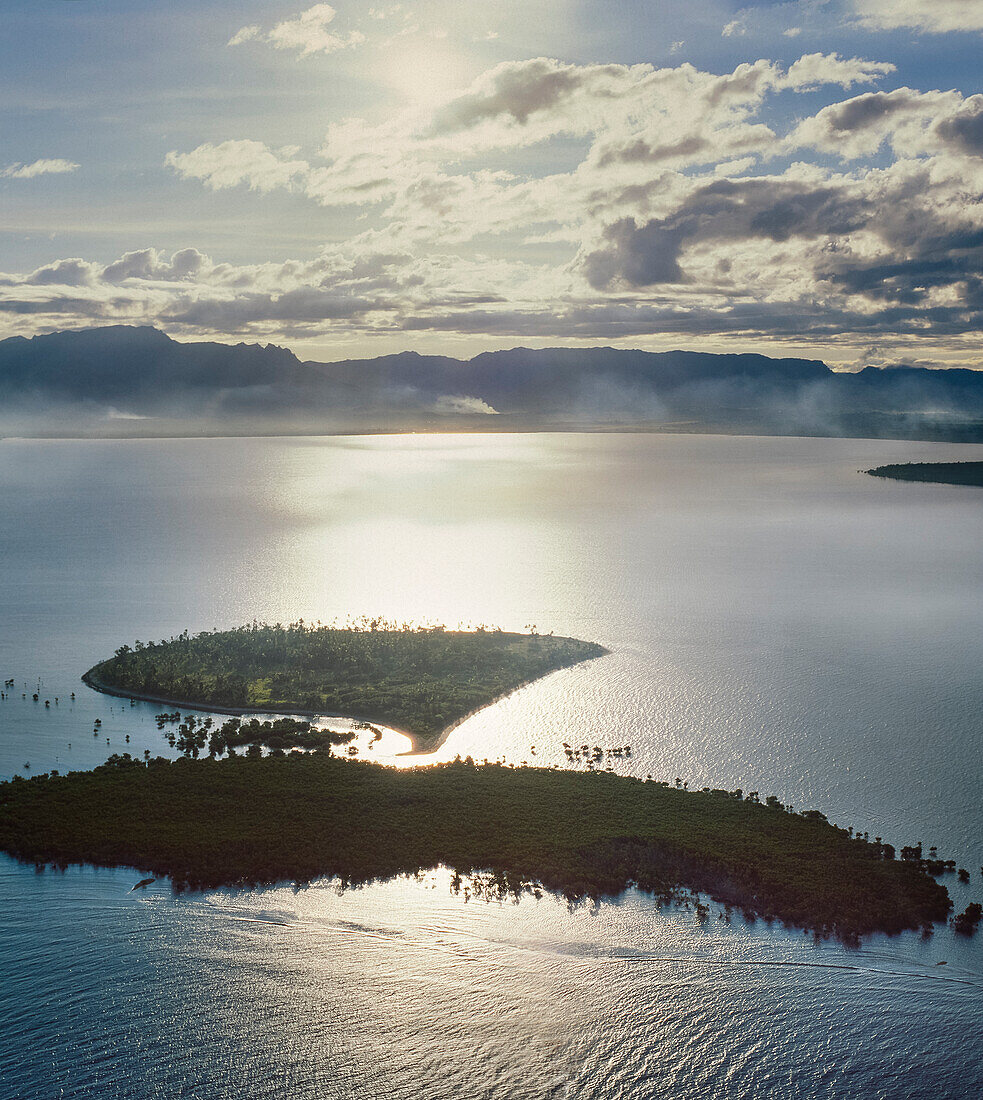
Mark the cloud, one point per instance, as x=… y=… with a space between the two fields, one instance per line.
x=914 y=123
x=72 y=272
x=463 y=405
x=963 y=129
x=46 y=167
x=231 y=163
x=308 y=33
x=930 y=16
x=725 y=210
x=245 y=34
x=813 y=70
x=684 y=202
x=148 y=263
x=233 y=313
x=736 y=27
x=515 y=91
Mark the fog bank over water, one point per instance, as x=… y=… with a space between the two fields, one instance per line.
x=135 y=382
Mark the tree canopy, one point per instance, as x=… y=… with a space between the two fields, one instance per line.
x=298 y=816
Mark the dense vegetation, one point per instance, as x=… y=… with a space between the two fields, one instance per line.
x=294 y=817
x=194 y=735
x=945 y=473
x=418 y=680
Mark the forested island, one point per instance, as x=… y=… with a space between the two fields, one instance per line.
x=421 y=681
x=943 y=473
x=254 y=819
x=293 y=817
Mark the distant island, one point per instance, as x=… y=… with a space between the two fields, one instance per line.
x=943 y=473
x=294 y=817
x=421 y=681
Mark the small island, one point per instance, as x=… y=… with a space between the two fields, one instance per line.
x=420 y=681
x=249 y=820
x=942 y=473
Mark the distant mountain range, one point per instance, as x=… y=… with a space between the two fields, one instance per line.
x=123 y=381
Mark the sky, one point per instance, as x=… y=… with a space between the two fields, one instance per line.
x=349 y=180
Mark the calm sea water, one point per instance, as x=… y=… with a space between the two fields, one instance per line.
x=777 y=622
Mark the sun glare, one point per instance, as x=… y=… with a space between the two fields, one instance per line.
x=424 y=71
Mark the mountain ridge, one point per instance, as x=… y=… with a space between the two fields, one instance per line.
x=137 y=380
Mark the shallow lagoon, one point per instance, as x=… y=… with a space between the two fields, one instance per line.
x=778 y=622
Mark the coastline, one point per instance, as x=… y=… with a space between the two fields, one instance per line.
x=966 y=474
x=246 y=822
x=91 y=680
x=420 y=746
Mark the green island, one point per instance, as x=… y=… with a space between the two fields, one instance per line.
x=294 y=817
x=250 y=819
x=421 y=681
x=943 y=473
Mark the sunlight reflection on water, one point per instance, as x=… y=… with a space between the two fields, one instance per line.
x=777 y=622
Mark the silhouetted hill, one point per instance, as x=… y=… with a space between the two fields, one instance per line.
x=138 y=381
x=119 y=362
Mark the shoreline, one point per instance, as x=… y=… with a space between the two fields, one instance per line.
x=971 y=436
x=967 y=474
x=420 y=747
x=247 y=823
x=92 y=681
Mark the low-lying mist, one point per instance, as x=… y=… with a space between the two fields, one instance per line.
x=127 y=382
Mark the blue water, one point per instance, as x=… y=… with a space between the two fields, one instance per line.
x=777 y=622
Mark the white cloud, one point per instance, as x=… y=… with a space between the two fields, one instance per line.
x=245 y=34
x=148 y=263
x=45 y=167
x=231 y=163
x=643 y=126
x=675 y=215
x=70 y=272
x=916 y=124
x=308 y=33
x=931 y=16
x=816 y=69
x=736 y=27
x=389 y=13
x=463 y=405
